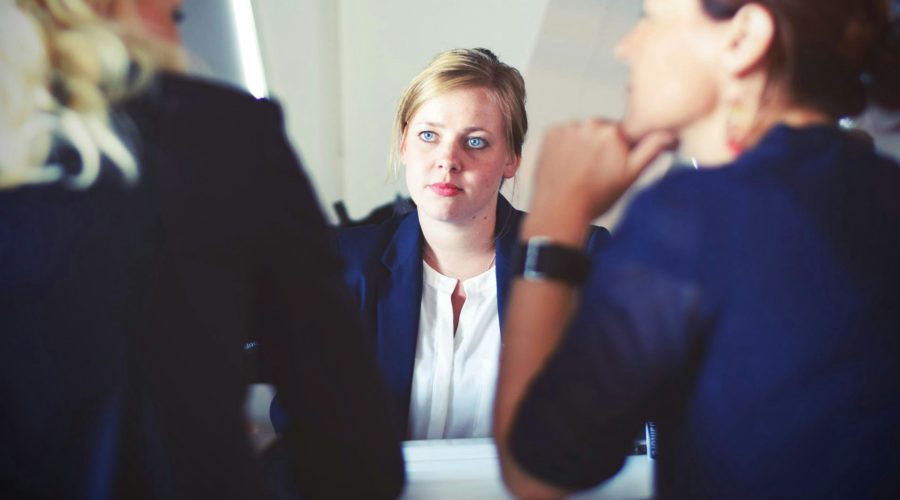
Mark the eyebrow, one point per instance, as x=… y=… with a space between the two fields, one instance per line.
x=440 y=125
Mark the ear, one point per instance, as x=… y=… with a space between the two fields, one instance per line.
x=751 y=33
x=512 y=166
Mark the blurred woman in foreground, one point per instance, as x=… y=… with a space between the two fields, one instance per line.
x=150 y=224
x=748 y=309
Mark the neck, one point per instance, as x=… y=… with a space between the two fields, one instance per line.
x=707 y=141
x=459 y=250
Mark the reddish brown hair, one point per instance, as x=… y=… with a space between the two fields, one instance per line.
x=835 y=56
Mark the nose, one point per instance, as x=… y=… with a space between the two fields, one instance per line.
x=449 y=157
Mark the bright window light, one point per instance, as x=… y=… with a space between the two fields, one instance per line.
x=248 y=45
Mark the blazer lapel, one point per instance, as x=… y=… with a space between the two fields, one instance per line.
x=399 y=300
x=507 y=234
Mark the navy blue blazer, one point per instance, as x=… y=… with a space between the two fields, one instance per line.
x=751 y=311
x=122 y=313
x=384 y=272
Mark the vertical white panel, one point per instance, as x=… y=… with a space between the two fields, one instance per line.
x=250 y=59
x=299 y=44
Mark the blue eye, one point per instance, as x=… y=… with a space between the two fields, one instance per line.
x=476 y=142
x=427 y=136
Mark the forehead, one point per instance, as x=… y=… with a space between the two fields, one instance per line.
x=472 y=104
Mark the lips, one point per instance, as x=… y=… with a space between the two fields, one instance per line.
x=445 y=189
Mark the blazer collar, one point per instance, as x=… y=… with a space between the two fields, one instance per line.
x=406 y=244
x=506 y=234
x=403 y=254
x=399 y=299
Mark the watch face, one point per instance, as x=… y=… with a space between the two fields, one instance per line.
x=540 y=259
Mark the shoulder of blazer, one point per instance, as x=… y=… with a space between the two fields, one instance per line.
x=202 y=94
x=507 y=231
x=203 y=107
x=509 y=221
x=361 y=244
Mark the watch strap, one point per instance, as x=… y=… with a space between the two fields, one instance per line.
x=541 y=259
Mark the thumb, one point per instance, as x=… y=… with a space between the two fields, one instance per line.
x=648 y=149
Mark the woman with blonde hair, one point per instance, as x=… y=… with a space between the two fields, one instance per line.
x=431 y=284
x=750 y=308
x=150 y=224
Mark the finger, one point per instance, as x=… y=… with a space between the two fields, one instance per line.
x=648 y=149
x=597 y=121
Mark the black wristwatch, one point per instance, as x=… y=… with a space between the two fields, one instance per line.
x=541 y=259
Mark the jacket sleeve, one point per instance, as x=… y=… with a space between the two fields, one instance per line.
x=341 y=440
x=627 y=351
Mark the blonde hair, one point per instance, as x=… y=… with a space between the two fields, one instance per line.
x=64 y=67
x=464 y=68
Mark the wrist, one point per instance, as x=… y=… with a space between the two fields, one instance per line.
x=542 y=259
x=564 y=220
x=559 y=226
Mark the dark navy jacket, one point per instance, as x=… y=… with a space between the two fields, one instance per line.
x=753 y=312
x=384 y=272
x=123 y=312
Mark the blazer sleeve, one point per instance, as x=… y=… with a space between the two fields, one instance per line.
x=627 y=352
x=311 y=343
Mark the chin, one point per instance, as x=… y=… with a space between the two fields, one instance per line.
x=636 y=123
x=436 y=211
x=633 y=129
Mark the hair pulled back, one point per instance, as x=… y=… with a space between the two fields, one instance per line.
x=465 y=68
x=836 y=56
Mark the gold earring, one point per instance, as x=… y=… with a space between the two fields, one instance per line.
x=735 y=127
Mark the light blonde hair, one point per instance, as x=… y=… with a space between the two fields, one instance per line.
x=64 y=67
x=464 y=68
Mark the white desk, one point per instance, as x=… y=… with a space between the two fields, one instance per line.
x=460 y=468
x=468 y=469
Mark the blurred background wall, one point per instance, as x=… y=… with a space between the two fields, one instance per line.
x=338 y=68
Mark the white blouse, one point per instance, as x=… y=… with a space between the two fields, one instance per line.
x=454 y=376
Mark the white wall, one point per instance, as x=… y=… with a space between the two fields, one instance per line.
x=299 y=45
x=207 y=33
x=572 y=74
